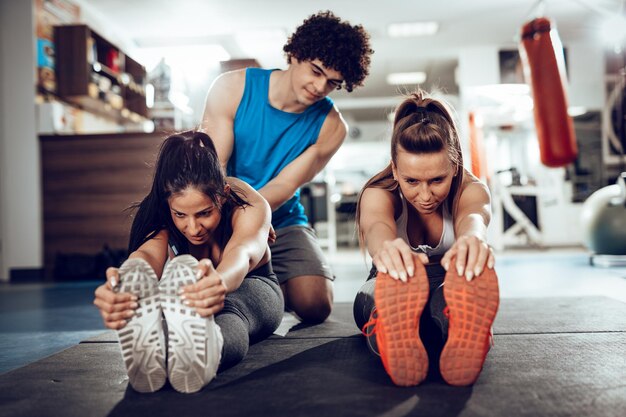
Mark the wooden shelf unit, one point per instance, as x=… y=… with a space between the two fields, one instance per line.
x=96 y=75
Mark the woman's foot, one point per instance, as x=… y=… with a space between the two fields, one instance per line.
x=194 y=342
x=396 y=322
x=142 y=339
x=471 y=310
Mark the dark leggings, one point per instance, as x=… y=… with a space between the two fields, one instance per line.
x=250 y=314
x=433 y=323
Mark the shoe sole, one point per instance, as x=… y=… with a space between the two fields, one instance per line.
x=399 y=307
x=141 y=338
x=194 y=342
x=472 y=309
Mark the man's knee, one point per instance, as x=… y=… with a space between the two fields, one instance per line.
x=312 y=311
x=311 y=298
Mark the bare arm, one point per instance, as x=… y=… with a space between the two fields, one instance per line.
x=246 y=248
x=220 y=108
x=389 y=253
x=154 y=251
x=377 y=221
x=472 y=216
x=116 y=308
x=248 y=243
x=304 y=168
x=473 y=211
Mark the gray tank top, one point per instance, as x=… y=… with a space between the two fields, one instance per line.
x=447 y=235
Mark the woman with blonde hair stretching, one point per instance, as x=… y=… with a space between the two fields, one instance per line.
x=432 y=294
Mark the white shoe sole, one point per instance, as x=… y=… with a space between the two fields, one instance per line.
x=194 y=342
x=142 y=339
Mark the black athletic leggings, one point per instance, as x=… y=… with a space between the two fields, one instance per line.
x=250 y=314
x=433 y=323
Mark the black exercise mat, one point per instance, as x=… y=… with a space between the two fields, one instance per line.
x=560 y=315
x=339 y=324
x=515 y=316
x=525 y=375
x=519 y=316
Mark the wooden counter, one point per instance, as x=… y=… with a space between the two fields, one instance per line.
x=87 y=182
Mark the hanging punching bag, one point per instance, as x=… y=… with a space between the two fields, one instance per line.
x=544 y=68
x=477 y=148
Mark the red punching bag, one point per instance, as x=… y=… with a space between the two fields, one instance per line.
x=544 y=68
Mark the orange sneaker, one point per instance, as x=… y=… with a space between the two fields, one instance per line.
x=396 y=322
x=471 y=309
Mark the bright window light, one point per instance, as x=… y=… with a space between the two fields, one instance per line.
x=266 y=46
x=180 y=101
x=194 y=62
x=405 y=78
x=409 y=29
x=574 y=111
x=613 y=30
x=149 y=95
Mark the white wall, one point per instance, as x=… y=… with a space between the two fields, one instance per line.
x=20 y=182
x=586 y=66
x=478 y=66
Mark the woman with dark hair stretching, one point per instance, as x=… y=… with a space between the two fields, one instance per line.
x=213 y=308
x=432 y=292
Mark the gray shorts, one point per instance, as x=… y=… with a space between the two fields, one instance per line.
x=297 y=252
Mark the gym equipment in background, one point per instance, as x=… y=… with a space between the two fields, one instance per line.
x=544 y=68
x=521 y=223
x=603 y=220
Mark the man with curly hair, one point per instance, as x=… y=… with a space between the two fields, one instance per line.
x=276 y=129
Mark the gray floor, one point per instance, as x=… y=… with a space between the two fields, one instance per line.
x=534 y=369
x=39 y=320
x=560 y=272
x=560 y=342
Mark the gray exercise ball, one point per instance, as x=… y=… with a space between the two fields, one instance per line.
x=603 y=219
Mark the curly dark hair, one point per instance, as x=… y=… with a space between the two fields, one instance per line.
x=337 y=44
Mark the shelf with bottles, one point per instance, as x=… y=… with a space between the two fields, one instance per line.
x=96 y=75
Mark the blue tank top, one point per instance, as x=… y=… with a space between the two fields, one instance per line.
x=268 y=139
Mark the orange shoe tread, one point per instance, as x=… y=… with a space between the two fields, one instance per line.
x=399 y=306
x=472 y=306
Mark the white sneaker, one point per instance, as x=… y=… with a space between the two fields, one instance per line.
x=194 y=342
x=142 y=339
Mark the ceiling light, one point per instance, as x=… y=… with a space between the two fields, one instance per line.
x=404 y=78
x=402 y=30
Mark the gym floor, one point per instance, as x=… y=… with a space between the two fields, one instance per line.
x=38 y=320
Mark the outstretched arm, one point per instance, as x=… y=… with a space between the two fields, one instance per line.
x=246 y=248
x=116 y=308
x=306 y=166
x=219 y=112
x=390 y=254
x=248 y=243
x=473 y=214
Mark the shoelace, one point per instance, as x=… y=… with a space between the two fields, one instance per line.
x=380 y=336
x=370 y=323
